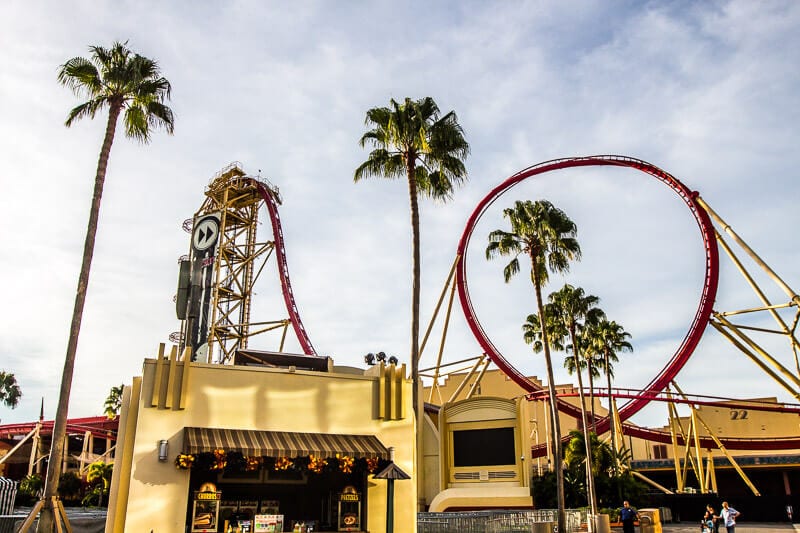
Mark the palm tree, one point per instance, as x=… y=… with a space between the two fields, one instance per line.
x=590 y=363
x=113 y=401
x=572 y=308
x=99 y=474
x=413 y=141
x=547 y=236
x=585 y=454
x=608 y=339
x=10 y=392
x=601 y=454
x=126 y=84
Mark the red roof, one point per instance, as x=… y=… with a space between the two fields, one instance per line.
x=99 y=426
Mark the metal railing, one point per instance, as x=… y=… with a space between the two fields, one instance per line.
x=7 y=522
x=497 y=521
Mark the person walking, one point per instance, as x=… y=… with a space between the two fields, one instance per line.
x=711 y=518
x=729 y=515
x=627 y=515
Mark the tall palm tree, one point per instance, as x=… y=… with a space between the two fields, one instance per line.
x=571 y=308
x=10 y=392
x=547 y=236
x=126 y=84
x=411 y=140
x=608 y=339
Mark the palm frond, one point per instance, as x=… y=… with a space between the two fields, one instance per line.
x=511 y=269
x=381 y=163
x=119 y=78
x=86 y=109
x=81 y=76
x=432 y=147
x=159 y=115
x=136 y=124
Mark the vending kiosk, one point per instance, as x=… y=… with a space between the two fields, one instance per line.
x=349 y=509
x=205 y=510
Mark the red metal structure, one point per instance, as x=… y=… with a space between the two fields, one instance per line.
x=99 y=426
x=704 y=311
x=270 y=201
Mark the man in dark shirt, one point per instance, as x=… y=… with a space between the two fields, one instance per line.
x=627 y=515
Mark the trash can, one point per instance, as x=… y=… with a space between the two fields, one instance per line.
x=601 y=523
x=650 y=521
x=542 y=527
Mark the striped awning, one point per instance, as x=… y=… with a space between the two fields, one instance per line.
x=281 y=443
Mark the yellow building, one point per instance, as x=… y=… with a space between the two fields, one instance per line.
x=277 y=409
x=735 y=421
x=496 y=404
x=772 y=472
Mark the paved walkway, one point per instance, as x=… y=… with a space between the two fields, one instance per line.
x=765 y=527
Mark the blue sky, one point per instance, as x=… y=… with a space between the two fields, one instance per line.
x=707 y=91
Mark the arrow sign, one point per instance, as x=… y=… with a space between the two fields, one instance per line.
x=206 y=233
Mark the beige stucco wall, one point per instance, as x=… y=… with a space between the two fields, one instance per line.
x=253 y=398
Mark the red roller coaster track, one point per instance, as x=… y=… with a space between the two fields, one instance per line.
x=693 y=336
x=270 y=200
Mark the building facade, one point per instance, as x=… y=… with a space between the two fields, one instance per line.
x=184 y=424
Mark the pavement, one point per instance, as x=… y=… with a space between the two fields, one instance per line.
x=757 y=527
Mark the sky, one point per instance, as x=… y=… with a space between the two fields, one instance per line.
x=707 y=91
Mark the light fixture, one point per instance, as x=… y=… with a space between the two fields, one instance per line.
x=381 y=356
x=392 y=360
x=369 y=358
x=163 y=450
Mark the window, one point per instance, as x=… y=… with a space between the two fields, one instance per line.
x=660 y=451
x=484 y=447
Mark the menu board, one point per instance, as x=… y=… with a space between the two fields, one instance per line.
x=268 y=523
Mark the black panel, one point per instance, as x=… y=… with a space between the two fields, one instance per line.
x=484 y=447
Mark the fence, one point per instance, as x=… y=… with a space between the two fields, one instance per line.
x=8 y=491
x=500 y=521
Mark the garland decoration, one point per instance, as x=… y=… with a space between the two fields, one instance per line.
x=253 y=463
x=235 y=462
x=372 y=464
x=184 y=461
x=316 y=464
x=219 y=460
x=283 y=463
x=345 y=463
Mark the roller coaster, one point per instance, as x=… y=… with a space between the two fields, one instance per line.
x=236 y=196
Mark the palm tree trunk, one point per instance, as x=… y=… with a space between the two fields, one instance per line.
x=590 y=367
x=415 y=290
x=590 y=494
x=555 y=427
x=612 y=427
x=46 y=521
x=415 y=282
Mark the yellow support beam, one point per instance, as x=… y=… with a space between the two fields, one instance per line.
x=701 y=480
x=673 y=420
x=722 y=448
x=719 y=323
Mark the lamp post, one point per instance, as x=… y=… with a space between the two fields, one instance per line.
x=390 y=473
